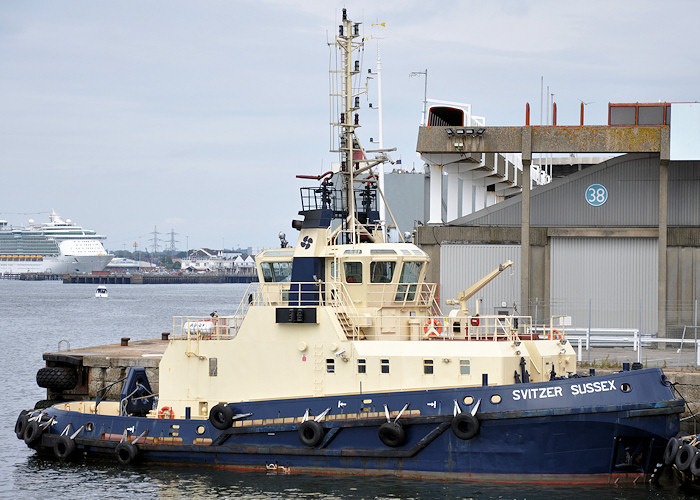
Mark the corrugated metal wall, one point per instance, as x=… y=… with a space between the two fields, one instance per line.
x=632 y=182
x=684 y=194
x=619 y=277
x=461 y=265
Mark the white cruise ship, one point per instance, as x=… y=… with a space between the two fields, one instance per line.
x=57 y=246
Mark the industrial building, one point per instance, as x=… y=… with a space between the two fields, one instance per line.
x=613 y=245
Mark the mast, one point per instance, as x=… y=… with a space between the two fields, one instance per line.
x=350 y=149
x=382 y=207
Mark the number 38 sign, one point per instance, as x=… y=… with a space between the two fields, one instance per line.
x=596 y=195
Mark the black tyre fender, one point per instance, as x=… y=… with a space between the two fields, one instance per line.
x=32 y=433
x=221 y=417
x=392 y=434
x=21 y=424
x=672 y=448
x=127 y=452
x=57 y=377
x=685 y=456
x=694 y=468
x=311 y=433
x=465 y=426
x=63 y=447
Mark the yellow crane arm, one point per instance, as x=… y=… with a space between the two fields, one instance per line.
x=468 y=293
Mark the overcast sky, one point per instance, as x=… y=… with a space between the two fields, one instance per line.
x=195 y=116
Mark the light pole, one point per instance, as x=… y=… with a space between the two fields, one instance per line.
x=425 y=93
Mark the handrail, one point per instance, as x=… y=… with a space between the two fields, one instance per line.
x=341 y=300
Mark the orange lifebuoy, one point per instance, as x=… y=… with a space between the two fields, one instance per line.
x=554 y=335
x=432 y=324
x=166 y=412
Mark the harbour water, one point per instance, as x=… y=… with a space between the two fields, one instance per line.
x=35 y=316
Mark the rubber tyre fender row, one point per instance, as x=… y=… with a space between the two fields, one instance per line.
x=21 y=424
x=392 y=434
x=32 y=433
x=684 y=457
x=221 y=417
x=465 y=426
x=126 y=452
x=63 y=447
x=311 y=433
x=57 y=377
x=672 y=448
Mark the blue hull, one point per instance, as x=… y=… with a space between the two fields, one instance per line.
x=587 y=429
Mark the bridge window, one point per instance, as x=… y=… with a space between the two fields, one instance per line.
x=361 y=366
x=382 y=272
x=353 y=272
x=277 y=271
x=409 y=274
x=428 y=366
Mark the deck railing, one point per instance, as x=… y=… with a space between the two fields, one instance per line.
x=391 y=311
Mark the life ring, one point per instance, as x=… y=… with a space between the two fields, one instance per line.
x=311 y=433
x=432 y=324
x=63 y=447
x=465 y=426
x=392 y=434
x=221 y=416
x=474 y=321
x=554 y=335
x=672 y=448
x=685 y=456
x=166 y=412
x=126 y=452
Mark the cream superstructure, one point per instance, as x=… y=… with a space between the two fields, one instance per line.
x=376 y=328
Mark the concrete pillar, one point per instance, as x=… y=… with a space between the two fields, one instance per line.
x=452 y=194
x=490 y=198
x=435 y=194
x=663 y=243
x=480 y=197
x=467 y=196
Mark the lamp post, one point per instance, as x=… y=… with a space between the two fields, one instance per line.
x=425 y=93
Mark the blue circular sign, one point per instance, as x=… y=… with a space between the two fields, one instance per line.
x=596 y=195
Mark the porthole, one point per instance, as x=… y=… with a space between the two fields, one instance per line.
x=89 y=427
x=495 y=399
x=626 y=387
x=468 y=400
x=200 y=429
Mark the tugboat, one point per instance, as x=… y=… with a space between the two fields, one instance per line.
x=340 y=360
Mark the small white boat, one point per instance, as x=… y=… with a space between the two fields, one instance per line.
x=101 y=292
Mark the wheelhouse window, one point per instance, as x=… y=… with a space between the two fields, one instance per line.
x=353 y=272
x=276 y=272
x=410 y=272
x=382 y=272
